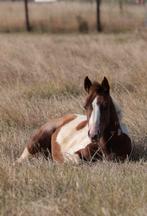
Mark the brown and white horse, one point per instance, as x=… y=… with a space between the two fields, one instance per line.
x=98 y=134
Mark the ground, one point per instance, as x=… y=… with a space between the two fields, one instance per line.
x=41 y=77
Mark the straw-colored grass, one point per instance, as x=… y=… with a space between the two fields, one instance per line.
x=41 y=77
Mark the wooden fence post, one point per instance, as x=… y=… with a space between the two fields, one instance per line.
x=121 y=6
x=27 y=21
x=99 y=27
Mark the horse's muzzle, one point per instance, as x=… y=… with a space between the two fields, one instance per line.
x=94 y=137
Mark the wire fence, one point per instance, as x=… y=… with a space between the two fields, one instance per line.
x=72 y=16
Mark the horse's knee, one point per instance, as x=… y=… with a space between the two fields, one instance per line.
x=33 y=147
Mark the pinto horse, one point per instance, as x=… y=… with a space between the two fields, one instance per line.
x=105 y=127
x=98 y=134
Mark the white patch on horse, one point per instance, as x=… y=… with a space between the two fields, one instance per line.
x=94 y=120
x=72 y=140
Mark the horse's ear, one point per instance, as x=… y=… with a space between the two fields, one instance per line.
x=87 y=84
x=105 y=85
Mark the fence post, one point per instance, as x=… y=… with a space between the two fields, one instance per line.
x=27 y=21
x=121 y=6
x=99 y=27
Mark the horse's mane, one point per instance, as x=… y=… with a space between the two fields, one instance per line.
x=118 y=109
x=115 y=115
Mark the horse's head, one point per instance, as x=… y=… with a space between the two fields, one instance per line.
x=99 y=108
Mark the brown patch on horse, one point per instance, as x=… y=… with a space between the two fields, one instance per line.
x=81 y=125
x=92 y=94
x=121 y=146
x=91 y=152
x=67 y=118
x=55 y=148
x=41 y=140
x=114 y=120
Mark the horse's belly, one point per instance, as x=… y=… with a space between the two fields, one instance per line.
x=72 y=139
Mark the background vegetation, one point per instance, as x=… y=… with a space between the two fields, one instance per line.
x=72 y=16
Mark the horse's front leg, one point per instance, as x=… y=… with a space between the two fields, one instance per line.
x=106 y=153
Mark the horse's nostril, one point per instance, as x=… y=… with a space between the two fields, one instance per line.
x=94 y=138
x=94 y=135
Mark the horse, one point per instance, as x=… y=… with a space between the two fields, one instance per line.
x=96 y=135
x=105 y=126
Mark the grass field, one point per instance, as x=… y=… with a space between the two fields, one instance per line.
x=41 y=77
x=70 y=17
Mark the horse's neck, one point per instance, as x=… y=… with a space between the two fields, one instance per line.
x=114 y=118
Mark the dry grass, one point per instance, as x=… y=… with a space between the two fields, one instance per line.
x=64 y=17
x=41 y=76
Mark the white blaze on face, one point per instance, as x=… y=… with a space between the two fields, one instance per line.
x=94 y=120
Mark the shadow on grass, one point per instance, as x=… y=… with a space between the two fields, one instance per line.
x=140 y=150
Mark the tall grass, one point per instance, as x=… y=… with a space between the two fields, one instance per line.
x=41 y=77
